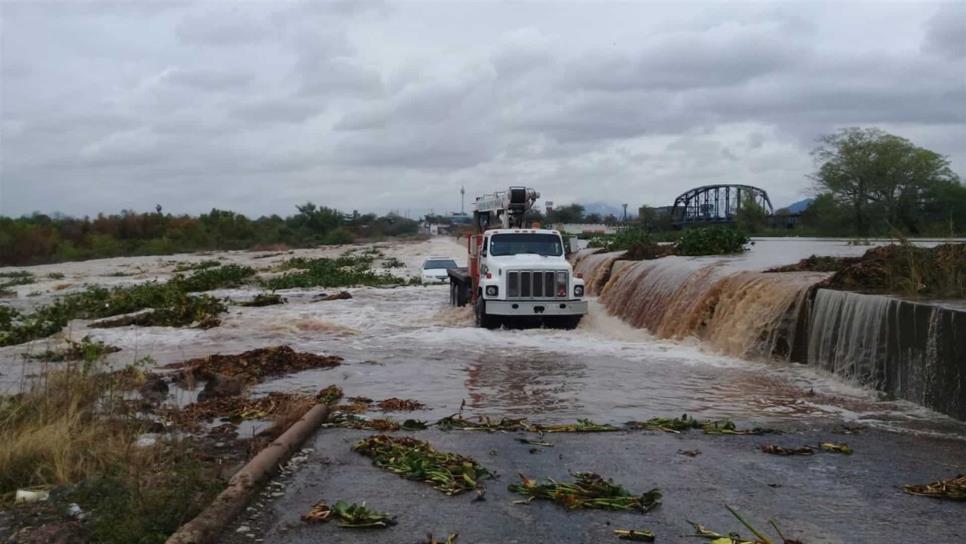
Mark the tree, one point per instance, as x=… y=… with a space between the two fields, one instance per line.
x=574 y=213
x=750 y=217
x=883 y=179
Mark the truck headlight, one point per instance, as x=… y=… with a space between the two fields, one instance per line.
x=492 y=290
x=578 y=291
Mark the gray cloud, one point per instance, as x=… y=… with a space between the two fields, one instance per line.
x=946 y=31
x=208 y=79
x=379 y=106
x=277 y=110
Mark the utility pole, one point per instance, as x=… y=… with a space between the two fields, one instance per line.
x=625 y=212
x=462 y=200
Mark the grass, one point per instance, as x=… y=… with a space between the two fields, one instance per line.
x=413 y=459
x=589 y=491
x=734 y=538
x=72 y=431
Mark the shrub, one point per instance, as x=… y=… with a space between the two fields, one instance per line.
x=711 y=241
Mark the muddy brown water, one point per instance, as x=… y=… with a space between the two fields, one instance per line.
x=408 y=343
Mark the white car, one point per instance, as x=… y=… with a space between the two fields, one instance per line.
x=434 y=269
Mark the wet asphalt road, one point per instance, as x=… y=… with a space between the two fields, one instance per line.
x=824 y=498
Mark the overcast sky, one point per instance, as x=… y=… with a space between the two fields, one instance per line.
x=258 y=106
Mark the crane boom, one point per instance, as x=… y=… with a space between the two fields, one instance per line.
x=504 y=209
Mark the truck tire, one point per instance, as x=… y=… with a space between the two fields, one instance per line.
x=483 y=319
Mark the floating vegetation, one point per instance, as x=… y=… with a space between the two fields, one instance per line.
x=263 y=299
x=413 y=459
x=589 y=491
x=329 y=395
x=55 y=276
x=324 y=297
x=582 y=426
x=393 y=262
x=12 y=279
x=348 y=269
x=689 y=453
x=701 y=531
x=253 y=365
x=353 y=408
x=836 y=447
x=686 y=423
x=187 y=267
x=349 y=515
x=85 y=350
x=775 y=449
x=481 y=423
x=635 y=535
x=400 y=405
x=229 y=275
x=163 y=304
x=201 y=311
x=953 y=489
x=237 y=408
x=352 y=421
x=668 y=425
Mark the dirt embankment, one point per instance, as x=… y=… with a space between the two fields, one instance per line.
x=907 y=270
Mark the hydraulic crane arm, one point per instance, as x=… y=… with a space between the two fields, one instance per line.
x=504 y=209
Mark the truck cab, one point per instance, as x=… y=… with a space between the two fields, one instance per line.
x=519 y=276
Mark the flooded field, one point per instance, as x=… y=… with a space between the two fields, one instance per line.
x=407 y=342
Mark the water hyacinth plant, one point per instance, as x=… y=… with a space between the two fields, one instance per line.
x=589 y=491
x=953 y=489
x=413 y=459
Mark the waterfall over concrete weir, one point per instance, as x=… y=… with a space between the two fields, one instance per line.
x=910 y=350
x=595 y=269
x=739 y=313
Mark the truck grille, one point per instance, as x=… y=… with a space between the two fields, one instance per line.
x=535 y=284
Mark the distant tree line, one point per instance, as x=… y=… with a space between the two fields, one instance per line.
x=39 y=238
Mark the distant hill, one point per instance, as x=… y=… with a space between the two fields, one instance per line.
x=800 y=206
x=604 y=209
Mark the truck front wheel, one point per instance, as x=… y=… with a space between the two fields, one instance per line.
x=483 y=319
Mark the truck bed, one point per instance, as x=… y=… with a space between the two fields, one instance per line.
x=460 y=275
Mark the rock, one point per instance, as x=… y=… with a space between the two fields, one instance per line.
x=342 y=295
x=155 y=389
x=219 y=385
x=54 y=533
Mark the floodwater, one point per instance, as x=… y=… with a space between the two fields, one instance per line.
x=408 y=343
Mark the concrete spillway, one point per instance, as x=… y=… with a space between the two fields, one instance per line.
x=909 y=350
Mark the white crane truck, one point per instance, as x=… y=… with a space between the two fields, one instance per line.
x=516 y=275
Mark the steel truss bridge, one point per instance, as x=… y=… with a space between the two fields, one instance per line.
x=710 y=204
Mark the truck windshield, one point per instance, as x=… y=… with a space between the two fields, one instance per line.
x=435 y=265
x=514 y=244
